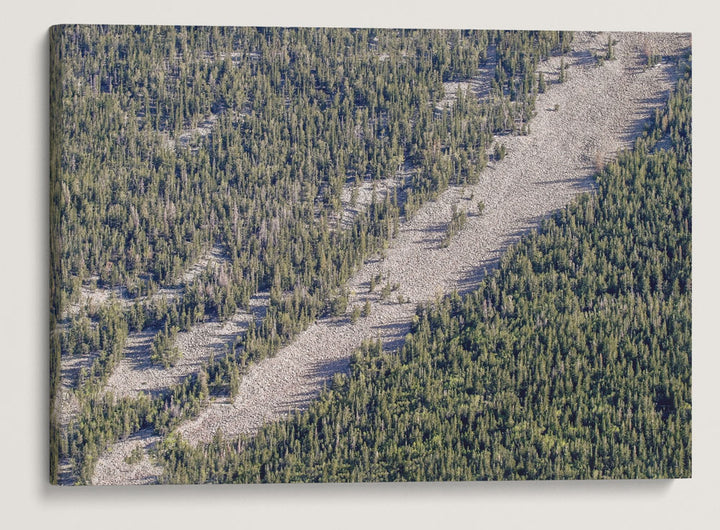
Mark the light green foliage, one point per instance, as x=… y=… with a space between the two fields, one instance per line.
x=168 y=142
x=457 y=222
x=355 y=314
x=338 y=305
x=366 y=309
x=135 y=456
x=163 y=349
x=610 y=51
x=573 y=361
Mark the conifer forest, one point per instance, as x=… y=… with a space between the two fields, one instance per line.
x=354 y=254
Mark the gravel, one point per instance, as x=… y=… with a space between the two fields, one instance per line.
x=136 y=373
x=114 y=469
x=600 y=110
x=580 y=124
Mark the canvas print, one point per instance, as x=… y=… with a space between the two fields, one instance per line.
x=355 y=254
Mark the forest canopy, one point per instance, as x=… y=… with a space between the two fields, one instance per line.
x=251 y=145
x=170 y=143
x=572 y=362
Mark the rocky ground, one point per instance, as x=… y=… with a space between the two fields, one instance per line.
x=137 y=348
x=136 y=373
x=479 y=85
x=579 y=125
x=130 y=460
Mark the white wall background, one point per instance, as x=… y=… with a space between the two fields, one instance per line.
x=27 y=501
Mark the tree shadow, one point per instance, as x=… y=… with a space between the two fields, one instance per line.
x=582 y=58
x=145 y=435
x=393 y=334
x=474 y=277
x=72 y=365
x=585 y=184
x=432 y=233
x=635 y=128
x=322 y=372
x=481 y=84
x=326 y=368
x=298 y=402
x=138 y=354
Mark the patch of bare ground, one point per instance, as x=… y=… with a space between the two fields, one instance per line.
x=136 y=373
x=128 y=462
x=92 y=297
x=203 y=129
x=70 y=369
x=66 y=405
x=584 y=121
x=190 y=136
x=71 y=366
x=357 y=197
x=212 y=260
x=479 y=85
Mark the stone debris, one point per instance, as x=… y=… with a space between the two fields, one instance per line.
x=581 y=123
x=596 y=112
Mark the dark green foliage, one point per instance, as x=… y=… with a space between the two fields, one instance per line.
x=135 y=456
x=101 y=420
x=163 y=349
x=297 y=113
x=387 y=289
x=610 y=52
x=105 y=337
x=573 y=361
x=457 y=222
x=366 y=309
x=338 y=305
x=170 y=141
